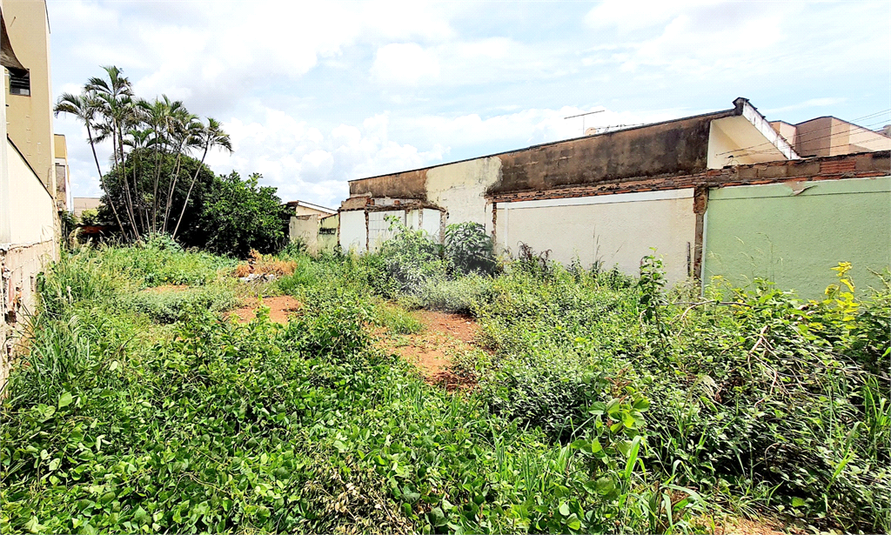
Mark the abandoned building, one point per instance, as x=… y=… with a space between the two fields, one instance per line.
x=725 y=193
x=33 y=166
x=313 y=225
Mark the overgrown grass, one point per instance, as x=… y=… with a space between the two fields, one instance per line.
x=604 y=408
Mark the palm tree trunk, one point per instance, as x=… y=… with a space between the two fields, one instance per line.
x=114 y=210
x=172 y=187
x=189 y=194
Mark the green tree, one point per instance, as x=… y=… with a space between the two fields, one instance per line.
x=141 y=167
x=208 y=137
x=239 y=215
x=144 y=136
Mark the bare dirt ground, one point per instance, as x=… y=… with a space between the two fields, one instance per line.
x=445 y=336
x=742 y=526
x=280 y=308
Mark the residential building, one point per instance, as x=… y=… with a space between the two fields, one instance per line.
x=831 y=136
x=29 y=223
x=81 y=204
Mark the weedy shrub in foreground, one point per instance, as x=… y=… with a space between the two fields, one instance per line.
x=405 y=262
x=263 y=428
x=396 y=319
x=469 y=249
x=459 y=296
x=152 y=264
x=768 y=392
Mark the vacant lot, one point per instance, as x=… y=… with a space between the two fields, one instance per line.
x=395 y=393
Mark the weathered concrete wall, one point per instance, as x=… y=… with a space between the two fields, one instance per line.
x=461 y=187
x=794 y=233
x=305 y=228
x=406 y=185
x=328 y=227
x=678 y=147
x=608 y=229
x=672 y=148
x=19 y=266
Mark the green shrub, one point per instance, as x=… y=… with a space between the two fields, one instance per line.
x=172 y=306
x=469 y=249
x=460 y=296
x=405 y=262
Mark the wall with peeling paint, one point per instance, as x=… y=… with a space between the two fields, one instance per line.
x=793 y=234
x=461 y=187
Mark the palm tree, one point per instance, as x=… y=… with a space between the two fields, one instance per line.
x=186 y=137
x=209 y=137
x=168 y=119
x=117 y=109
x=86 y=107
x=139 y=141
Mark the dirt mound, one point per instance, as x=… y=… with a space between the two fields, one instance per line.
x=280 y=308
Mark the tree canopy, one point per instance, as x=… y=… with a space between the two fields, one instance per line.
x=157 y=181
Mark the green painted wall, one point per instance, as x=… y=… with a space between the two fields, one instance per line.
x=767 y=231
x=328 y=239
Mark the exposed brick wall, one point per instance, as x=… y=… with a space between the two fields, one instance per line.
x=864 y=165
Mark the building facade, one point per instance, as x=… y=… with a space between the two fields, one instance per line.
x=30 y=192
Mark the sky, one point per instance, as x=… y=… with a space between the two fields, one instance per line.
x=314 y=94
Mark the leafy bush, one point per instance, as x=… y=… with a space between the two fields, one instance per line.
x=469 y=249
x=769 y=391
x=403 y=263
x=172 y=306
x=461 y=296
x=239 y=215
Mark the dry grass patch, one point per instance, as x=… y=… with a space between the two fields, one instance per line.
x=260 y=264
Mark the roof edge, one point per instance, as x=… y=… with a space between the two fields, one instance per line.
x=736 y=110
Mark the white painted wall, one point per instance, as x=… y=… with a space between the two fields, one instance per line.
x=379 y=228
x=352 y=231
x=431 y=222
x=461 y=187
x=613 y=229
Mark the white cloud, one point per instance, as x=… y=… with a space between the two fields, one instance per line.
x=631 y=15
x=404 y=64
x=319 y=93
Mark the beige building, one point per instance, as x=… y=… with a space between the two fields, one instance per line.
x=29 y=223
x=311 y=225
x=80 y=204
x=830 y=136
